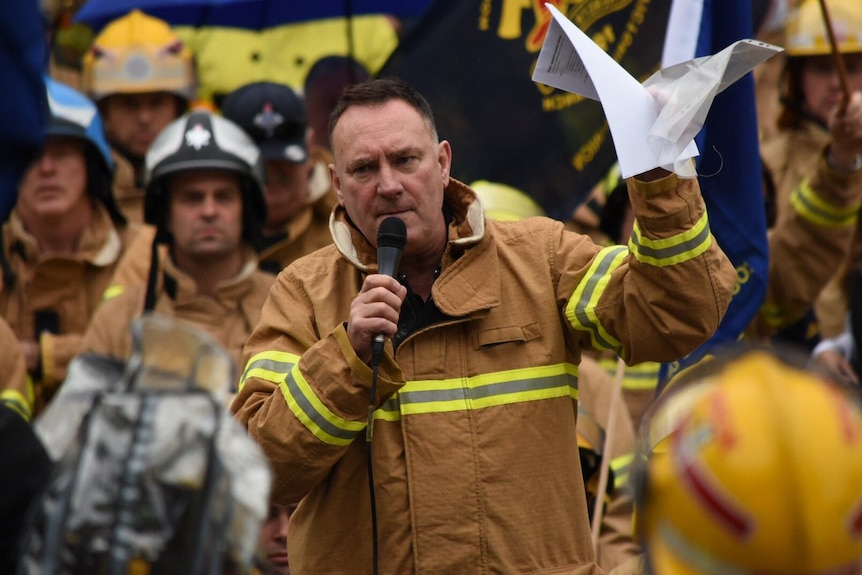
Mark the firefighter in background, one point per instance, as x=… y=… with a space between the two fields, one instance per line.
x=62 y=241
x=142 y=78
x=817 y=152
x=735 y=482
x=616 y=543
x=205 y=200
x=299 y=196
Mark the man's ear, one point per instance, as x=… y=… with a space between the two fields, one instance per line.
x=336 y=184
x=444 y=157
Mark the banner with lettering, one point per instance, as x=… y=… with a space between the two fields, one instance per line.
x=473 y=60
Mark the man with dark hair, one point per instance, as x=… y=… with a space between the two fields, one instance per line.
x=472 y=460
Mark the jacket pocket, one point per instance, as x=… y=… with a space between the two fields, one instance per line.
x=506 y=334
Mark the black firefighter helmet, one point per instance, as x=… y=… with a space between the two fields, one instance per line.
x=201 y=140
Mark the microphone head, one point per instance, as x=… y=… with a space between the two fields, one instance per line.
x=392 y=233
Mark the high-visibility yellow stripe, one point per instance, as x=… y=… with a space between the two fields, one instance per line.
x=815 y=209
x=16 y=401
x=638 y=377
x=673 y=250
x=271 y=366
x=581 y=308
x=112 y=292
x=415 y=397
x=482 y=391
x=314 y=415
x=621 y=466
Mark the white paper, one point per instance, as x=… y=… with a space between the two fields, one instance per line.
x=654 y=124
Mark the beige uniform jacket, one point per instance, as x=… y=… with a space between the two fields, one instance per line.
x=596 y=395
x=228 y=318
x=306 y=232
x=129 y=196
x=475 y=453
x=309 y=229
x=61 y=293
x=16 y=387
x=818 y=209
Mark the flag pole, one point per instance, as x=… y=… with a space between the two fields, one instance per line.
x=604 y=469
x=836 y=54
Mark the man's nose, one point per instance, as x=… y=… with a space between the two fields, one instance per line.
x=388 y=182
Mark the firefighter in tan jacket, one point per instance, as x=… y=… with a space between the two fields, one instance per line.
x=475 y=459
x=205 y=200
x=299 y=195
x=62 y=241
x=142 y=78
x=816 y=157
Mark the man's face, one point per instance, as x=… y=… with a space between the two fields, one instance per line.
x=273 y=536
x=132 y=121
x=55 y=184
x=388 y=163
x=821 y=84
x=205 y=215
x=286 y=191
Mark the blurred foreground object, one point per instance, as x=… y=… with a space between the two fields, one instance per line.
x=151 y=473
x=753 y=468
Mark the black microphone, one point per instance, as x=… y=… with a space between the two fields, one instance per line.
x=391 y=238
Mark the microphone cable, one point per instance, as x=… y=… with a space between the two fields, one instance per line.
x=391 y=239
x=376 y=356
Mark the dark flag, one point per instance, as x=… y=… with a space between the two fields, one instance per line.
x=473 y=60
x=730 y=154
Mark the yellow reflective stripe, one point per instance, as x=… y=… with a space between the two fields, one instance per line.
x=808 y=204
x=621 y=466
x=314 y=415
x=16 y=401
x=581 y=309
x=673 y=250
x=482 y=391
x=774 y=316
x=638 y=377
x=282 y=369
x=112 y=292
x=271 y=366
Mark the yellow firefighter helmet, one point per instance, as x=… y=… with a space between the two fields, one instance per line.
x=505 y=203
x=805 y=33
x=762 y=474
x=138 y=53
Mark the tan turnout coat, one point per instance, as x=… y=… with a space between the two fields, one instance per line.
x=475 y=454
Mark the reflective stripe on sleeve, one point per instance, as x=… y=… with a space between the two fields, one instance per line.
x=810 y=206
x=673 y=250
x=581 y=309
x=17 y=402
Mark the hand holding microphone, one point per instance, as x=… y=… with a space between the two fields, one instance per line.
x=391 y=238
x=375 y=309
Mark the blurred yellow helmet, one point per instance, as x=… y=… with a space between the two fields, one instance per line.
x=762 y=474
x=138 y=53
x=805 y=33
x=505 y=203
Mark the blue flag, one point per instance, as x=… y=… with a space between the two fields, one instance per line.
x=729 y=166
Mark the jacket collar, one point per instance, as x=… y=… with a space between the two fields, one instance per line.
x=100 y=243
x=181 y=287
x=469 y=279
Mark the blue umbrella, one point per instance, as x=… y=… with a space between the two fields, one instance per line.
x=248 y=14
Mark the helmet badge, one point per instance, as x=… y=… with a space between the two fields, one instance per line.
x=268 y=120
x=198 y=137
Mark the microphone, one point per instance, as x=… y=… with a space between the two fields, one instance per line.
x=391 y=238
